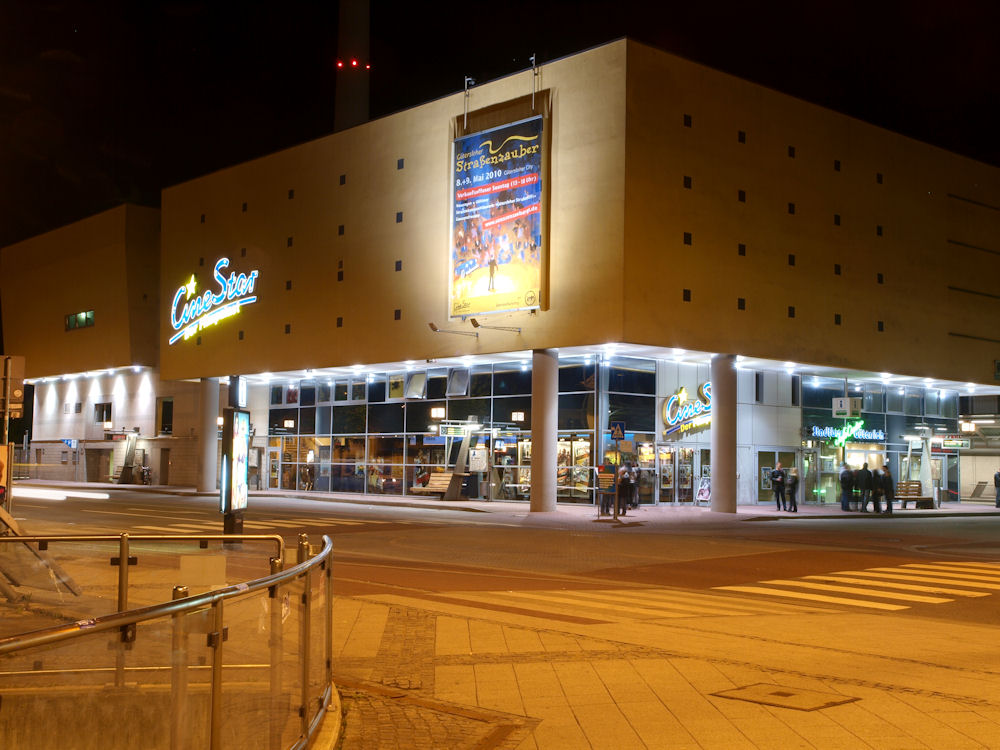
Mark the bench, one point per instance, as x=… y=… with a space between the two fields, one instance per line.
x=437 y=484
x=907 y=490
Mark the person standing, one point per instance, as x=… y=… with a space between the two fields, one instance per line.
x=888 y=488
x=846 y=487
x=778 y=485
x=792 y=488
x=634 y=500
x=624 y=487
x=863 y=481
x=996 y=483
x=876 y=492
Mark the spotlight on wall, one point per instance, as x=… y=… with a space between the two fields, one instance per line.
x=477 y=324
x=457 y=333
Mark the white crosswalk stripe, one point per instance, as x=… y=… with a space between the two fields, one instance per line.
x=609 y=605
x=911 y=582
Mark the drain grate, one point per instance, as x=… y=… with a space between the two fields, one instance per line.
x=785 y=697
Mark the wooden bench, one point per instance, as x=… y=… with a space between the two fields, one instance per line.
x=437 y=484
x=907 y=490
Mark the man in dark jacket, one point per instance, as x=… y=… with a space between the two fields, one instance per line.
x=863 y=481
x=846 y=487
x=888 y=488
x=778 y=485
x=996 y=483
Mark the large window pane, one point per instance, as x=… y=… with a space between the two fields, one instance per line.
x=478 y=408
x=482 y=381
x=307 y=421
x=511 y=380
x=385 y=418
x=874 y=397
x=506 y=409
x=283 y=420
x=894 y=399
x=436 y=386
x=307 y=396
x=418 y=414
x=576 y=377
x=628 y=375
x=819 y=392
x=376 y=388
x=348 y=450
x=637 y=412
x=913 y=401
x=425 y=450
x=324 y=420
x=387 y=450
x=348 y=419
x=576 y=411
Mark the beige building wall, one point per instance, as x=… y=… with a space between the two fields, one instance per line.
x=938 y=253
x=106 y=263
x=296 y=241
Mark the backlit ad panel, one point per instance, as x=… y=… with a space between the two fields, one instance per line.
x=496 y=252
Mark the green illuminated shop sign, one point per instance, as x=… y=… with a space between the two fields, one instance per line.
x=854 y=432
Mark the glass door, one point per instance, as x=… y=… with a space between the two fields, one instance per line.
x=665 y=473
x=685 y=475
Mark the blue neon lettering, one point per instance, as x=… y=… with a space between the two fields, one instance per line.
x=232 y=288
x=675 y=411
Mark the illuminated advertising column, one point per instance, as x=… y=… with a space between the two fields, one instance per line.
x=233 y=487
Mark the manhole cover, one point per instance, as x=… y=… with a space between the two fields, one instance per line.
x=785 y=697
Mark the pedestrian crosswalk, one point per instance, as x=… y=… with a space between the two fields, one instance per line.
x=650 y=604
x=261 y=526
x=886 y=589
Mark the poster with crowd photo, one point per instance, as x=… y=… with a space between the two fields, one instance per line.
x=496 y=244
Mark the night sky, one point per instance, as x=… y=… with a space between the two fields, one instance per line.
x=104 y=102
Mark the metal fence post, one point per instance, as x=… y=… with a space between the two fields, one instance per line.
x=305 y=633
x=123 y=550
x=329 y=619
x=215 y=641
x=276 y=642
x=178 y=675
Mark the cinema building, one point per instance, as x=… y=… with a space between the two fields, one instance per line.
x=619 y=255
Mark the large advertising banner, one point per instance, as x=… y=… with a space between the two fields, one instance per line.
x=235 y=460
x=496 y=252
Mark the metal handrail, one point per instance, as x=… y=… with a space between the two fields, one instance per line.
x=118 y=620
x=279 y=542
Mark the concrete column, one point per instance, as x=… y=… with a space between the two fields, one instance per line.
x=544 y=428
x=723 y=371
x=208 y=470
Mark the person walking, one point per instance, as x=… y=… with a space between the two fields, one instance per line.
x=624 y=487
x=846 y=487
x=863 y=481
x=876 y=493
x=791 y=489
x=634 y=500
x=778 y=485
x=888 y=488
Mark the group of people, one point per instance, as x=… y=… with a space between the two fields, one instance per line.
x=785 y=486
x=626 y=490
x=874 y=486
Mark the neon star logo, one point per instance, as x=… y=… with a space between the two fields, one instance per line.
x=190 y=286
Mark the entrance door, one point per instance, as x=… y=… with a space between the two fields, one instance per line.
x=811 y=491
x=767 y=460
x=665 y=472
x=684 y=478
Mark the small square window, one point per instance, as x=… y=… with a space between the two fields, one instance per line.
x=741 y=303
x=791 y=259
x=836 y=319
x=791 y=208
x=288 y=327
x=340 y=275
x=288 y=285
x=791 y=311
x=687 y=121
x=399 y=217
x=881 y=326
x=687 y=181
x=878 y=230
x=203 y=218
x=201 y=261
x=399 y=163
x=687 y=295
x=343 y=179
x=399 y=265
x=197 y=341
x=244 y=206
x=836 y=269
x=340 y=322
x=340 y=229
x=741 y=196
x=687 y=238
x=291 y=193
x=878 y=177
x=243 y=252
x=879 y=278
x=741 y=248
x=741 y=136
x=241 y=335
x=791 y=152
x=836 y=220
x=836 y=165
x=397 y=314
x=289 y=242
x=340 y=263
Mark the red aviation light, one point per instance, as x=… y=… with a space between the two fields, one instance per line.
x=354 y=64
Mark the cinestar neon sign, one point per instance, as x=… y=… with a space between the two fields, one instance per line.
x=192 y=312
x=851 y=433
x=681 y=413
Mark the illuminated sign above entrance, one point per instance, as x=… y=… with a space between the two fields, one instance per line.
x=191 y=313
x=851 y=433
x=681 y=413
